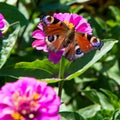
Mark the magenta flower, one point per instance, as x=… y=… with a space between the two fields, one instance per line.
x=28 y=99
x=70 y=20
x=2 y=23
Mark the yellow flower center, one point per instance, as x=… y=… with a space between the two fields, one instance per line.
x=36 y=96
x=70 y=25
x=17 y=116
x=25 y=106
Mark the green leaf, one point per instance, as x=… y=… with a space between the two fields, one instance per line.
x=101 y=22
x=39 y=69
x=79 y=66
x=7 y=45
x=89 y=111
x=69 y=2
x=83 y=80
x=111 y=96
x=116 y=115
x=42 y=69
x=110 y=68
x=99 y=98
x=53 y=7
x=12 y=14
x=114 y=76
x=115 y=31
x=76 y=9
x=116 y=12
x=104 y=101
x=70 y=116
x=91 y=94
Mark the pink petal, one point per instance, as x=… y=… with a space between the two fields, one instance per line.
x=20 y=95
x=42 y=86
x=0 y=34
x=40 y=45
x=1 y=16
x=38 y=34
x=5 y=113
x=2 y=24
x=40 y=26
x=52 y=109
x=56 y=117
x=49 y=94
x=63 y=16
x=55 y=57
x=75 y=19
x=56 y=101
x=84 y=27
x=6 y=117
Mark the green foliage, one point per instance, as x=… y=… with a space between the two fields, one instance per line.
x=89 y=111
x=12 y=14
x=70 y=116
x=7 y=45
x=80 y=66
x=91 y=83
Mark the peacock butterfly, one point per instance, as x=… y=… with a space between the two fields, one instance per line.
x=59 y=35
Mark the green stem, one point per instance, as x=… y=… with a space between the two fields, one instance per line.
x=5 y=31
x=61 y=76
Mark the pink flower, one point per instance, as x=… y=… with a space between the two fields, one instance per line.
x=28 y=99
x=70 y=20
x=2 y=23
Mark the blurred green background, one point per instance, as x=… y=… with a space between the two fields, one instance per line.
x=94 y=93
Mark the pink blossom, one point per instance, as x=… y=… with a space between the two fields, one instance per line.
x=28 y=99
x=78 y=21
x=70 y=20
x=2 y=23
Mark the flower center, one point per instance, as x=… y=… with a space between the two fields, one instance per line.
x=70 y=25
x=25 y=106
x=17 y=116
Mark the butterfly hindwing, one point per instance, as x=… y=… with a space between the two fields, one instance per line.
x=73 y=51
x=87 y=42
x=54 y=42
x=82 y=43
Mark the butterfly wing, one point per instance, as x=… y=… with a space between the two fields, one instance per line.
x=73 y=51
x=82 y=43
x=87 y=42
x=55 y=32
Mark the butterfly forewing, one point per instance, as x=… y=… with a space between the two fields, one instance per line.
x=55 y=32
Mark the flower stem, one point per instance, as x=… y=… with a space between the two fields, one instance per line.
x=61 y=76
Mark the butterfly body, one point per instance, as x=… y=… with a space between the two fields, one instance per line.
x=59 y=35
